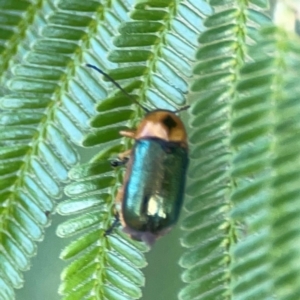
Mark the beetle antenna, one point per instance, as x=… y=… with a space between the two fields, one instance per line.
x=181 y=109
x=118 y=86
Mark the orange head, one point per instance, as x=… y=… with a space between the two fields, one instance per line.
x=162 y=124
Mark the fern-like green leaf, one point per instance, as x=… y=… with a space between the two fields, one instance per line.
x=266 y=131
x=104 y=267
x=155 y=55
x=43 y=112
x=210 y=232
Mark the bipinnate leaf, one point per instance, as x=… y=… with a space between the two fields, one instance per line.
x=45 y=109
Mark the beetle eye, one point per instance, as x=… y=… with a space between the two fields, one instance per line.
x=169 y=122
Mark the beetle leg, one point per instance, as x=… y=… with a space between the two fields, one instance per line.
x=129 y=134
x=117 y=220
x=119 y=162
x=122 y=159
x=115 y=224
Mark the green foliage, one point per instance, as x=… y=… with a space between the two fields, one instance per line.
x=210 y=232
x=240 y=228
x=104 y=266
x=155 y=74
x=265 y=130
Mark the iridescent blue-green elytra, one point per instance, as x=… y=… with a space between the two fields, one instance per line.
x=153 y=194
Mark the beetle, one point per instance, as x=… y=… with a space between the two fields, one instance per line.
x=149 y=202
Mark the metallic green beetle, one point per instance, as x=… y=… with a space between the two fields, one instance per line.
x=152 y=193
